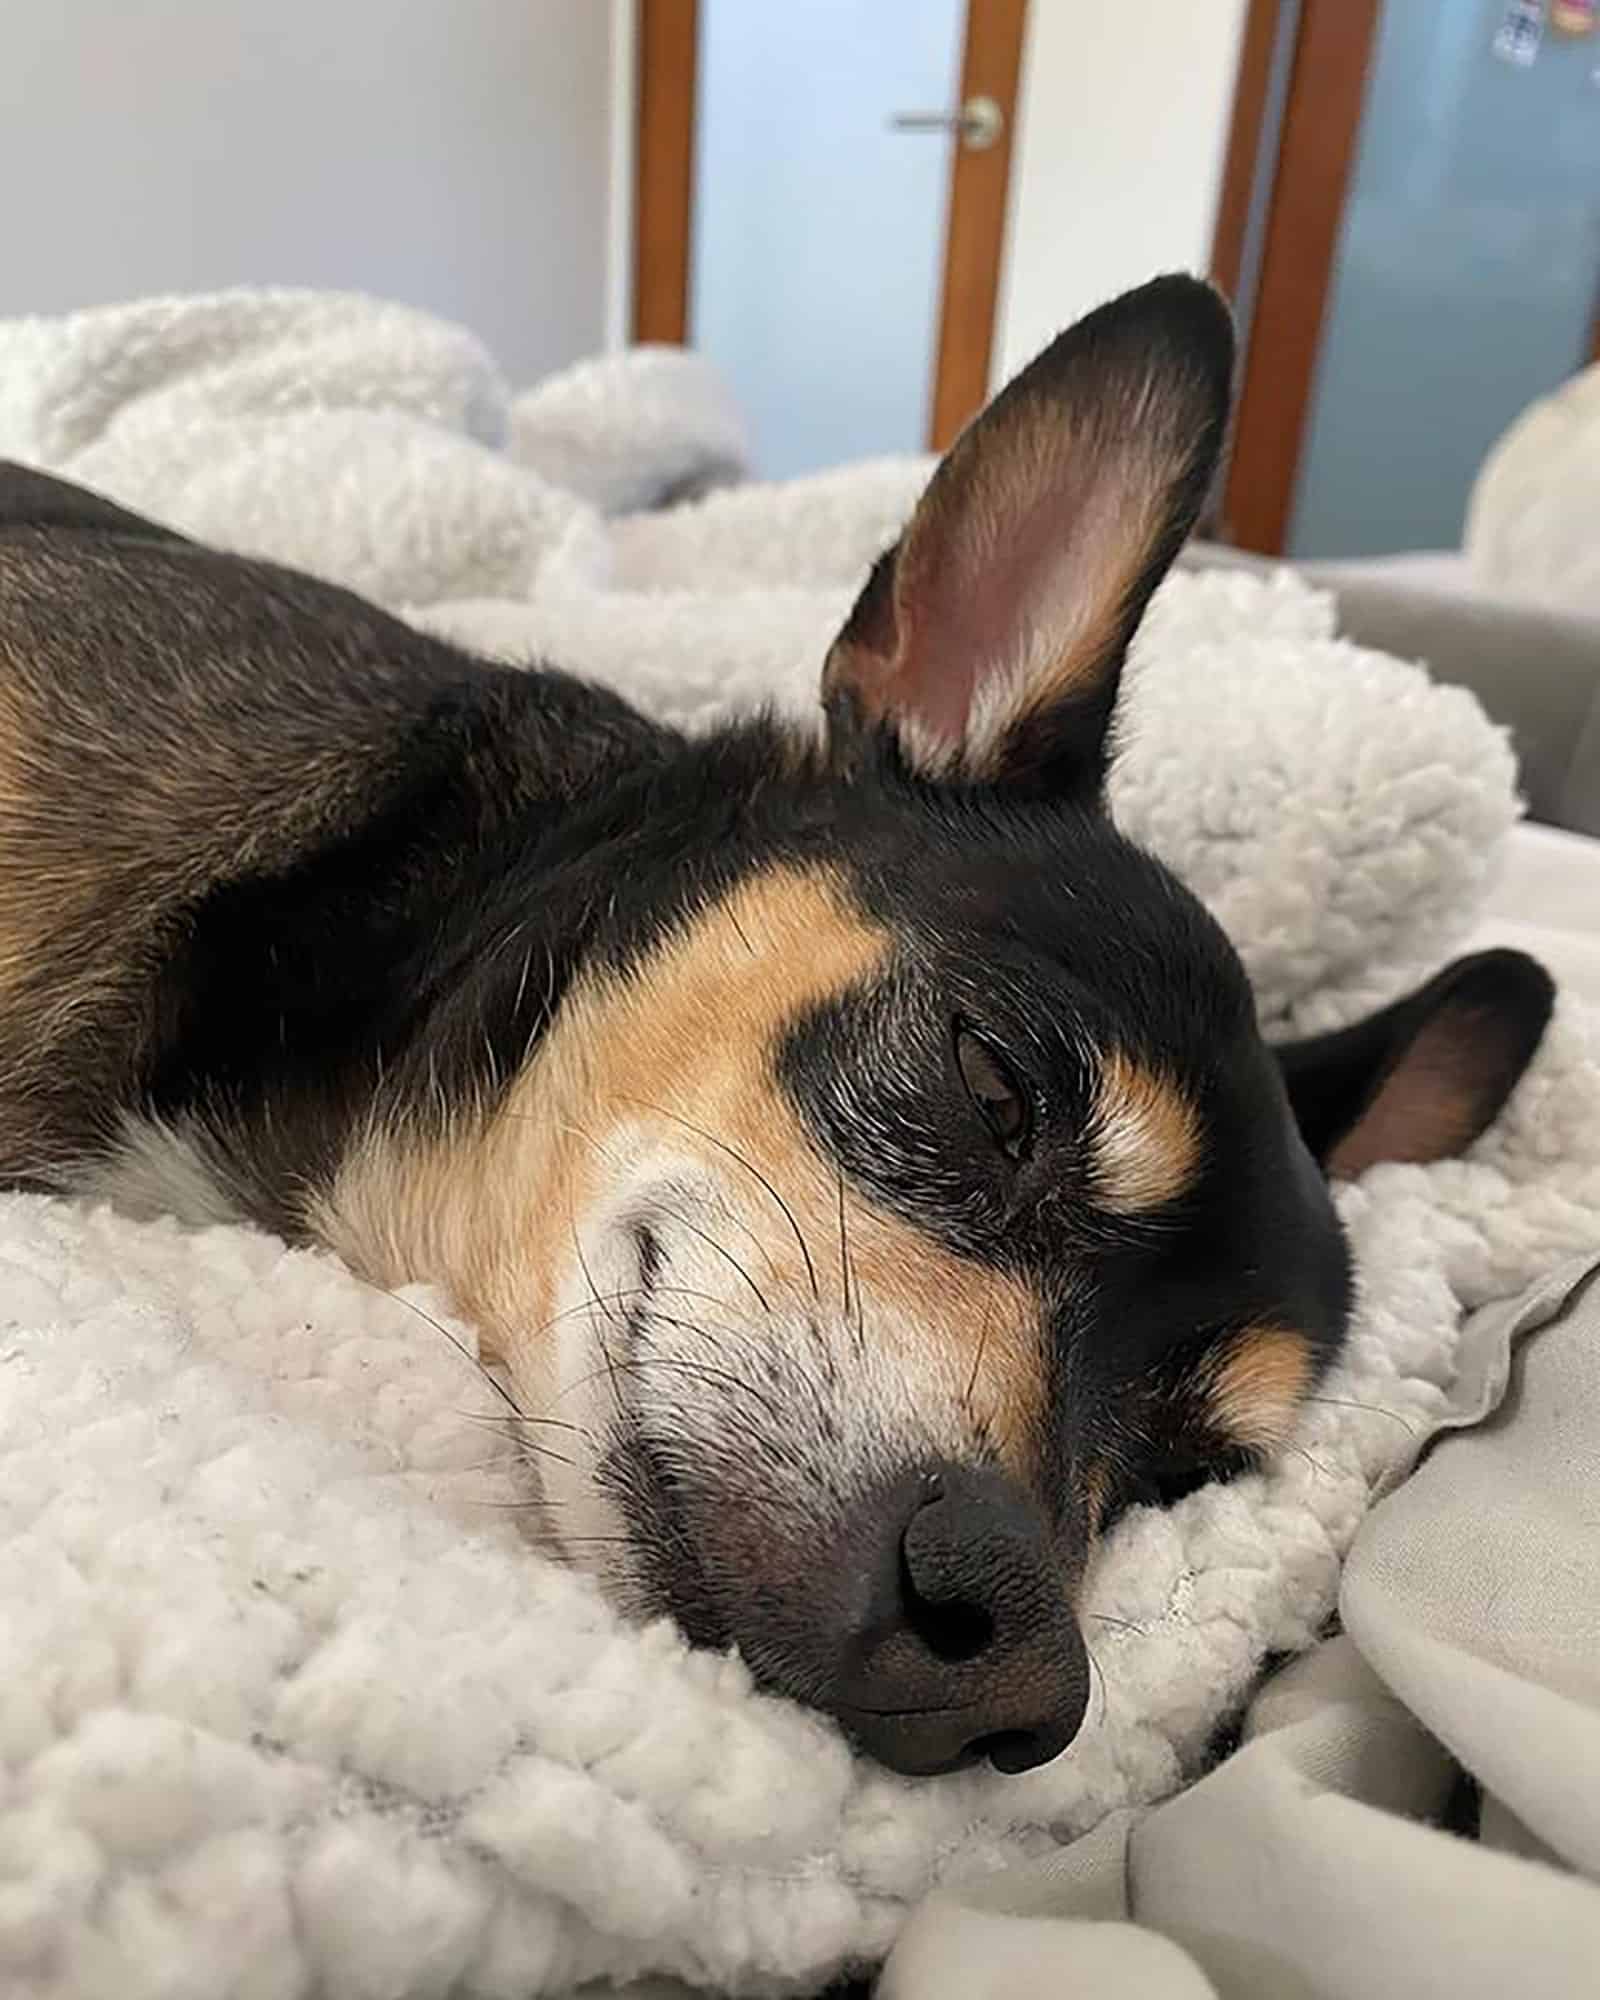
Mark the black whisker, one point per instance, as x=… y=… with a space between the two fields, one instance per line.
x=529 y=1448
x=701 y=1370
x=517 y=1426
x=983 y=1338
x=604 y=1300
x=595 y=1145
x=705 y=1369
x=1374 y=1409
x=1316 y=1464
x=460 y=1346
x=521 y=1447
x=711 y=1243
x=532 y=1448
x=844 y=1248
x=755 y=1173
x=1099 y=1672
x=731 y=914
x=600 y=1304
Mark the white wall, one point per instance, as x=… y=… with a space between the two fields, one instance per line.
x=1122 y=125
x=452 y=154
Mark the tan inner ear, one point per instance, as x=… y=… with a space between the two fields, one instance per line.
x=1070 y=638
x=1426 y=1109
x=1014 y=587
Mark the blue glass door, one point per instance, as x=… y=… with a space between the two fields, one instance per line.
x=1466 y=277
x=819 y=227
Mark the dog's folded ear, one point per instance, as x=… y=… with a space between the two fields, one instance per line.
x=987 y=643
x=1423 y=1078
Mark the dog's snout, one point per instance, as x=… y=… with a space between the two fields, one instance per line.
x=965 y=1646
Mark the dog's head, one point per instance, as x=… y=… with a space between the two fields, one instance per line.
x=927 y=1194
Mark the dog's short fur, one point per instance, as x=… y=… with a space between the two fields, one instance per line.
x=863 y=1161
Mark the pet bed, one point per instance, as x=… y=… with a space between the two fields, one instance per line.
x=288 y=1704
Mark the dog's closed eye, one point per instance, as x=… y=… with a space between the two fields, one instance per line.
x=1003 y=1101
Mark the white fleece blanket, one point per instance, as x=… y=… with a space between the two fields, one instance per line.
x=287 y=1705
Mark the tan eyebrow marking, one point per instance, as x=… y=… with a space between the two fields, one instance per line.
x=1144 y=1136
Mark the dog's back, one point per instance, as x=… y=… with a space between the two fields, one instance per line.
x=190 y=744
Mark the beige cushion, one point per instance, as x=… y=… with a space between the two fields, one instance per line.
x=1531 y=523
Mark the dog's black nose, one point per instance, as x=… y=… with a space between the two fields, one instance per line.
x=964 y=1645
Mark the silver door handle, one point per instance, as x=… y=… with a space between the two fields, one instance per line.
x=978 y=123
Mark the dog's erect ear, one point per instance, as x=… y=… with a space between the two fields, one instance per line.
x=1420 y=1080
x=989 y=639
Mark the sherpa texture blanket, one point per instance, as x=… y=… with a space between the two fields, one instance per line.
x=288 y=1704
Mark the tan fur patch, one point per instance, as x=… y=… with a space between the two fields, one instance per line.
x=1144 y=1135
x=1081 y=626
x=1096 y=1483
x=1254 y=1392
x=683 y=1047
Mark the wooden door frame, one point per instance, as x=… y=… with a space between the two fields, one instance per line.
x=666 y=42
x=663 y=197
x=1248 y=138
x=1310 y=167
x=975 y=222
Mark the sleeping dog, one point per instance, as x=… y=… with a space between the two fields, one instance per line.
x=862 y=1162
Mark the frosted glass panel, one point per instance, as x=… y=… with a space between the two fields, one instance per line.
x=1466 y=278
x=819 y=232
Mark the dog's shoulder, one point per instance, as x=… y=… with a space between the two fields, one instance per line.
x=33 y=499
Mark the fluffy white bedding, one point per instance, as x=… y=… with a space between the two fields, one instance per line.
x=287 y=1705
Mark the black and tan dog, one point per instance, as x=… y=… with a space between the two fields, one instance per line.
x=865 y=1158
